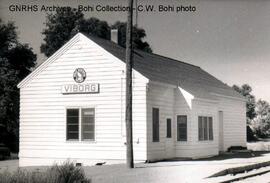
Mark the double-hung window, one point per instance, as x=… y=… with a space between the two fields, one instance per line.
x=80 y=124
x=205 y=128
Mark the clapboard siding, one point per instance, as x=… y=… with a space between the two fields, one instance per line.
x=171 y=102
x=43 y=109
x=203 y=148
x=234 y=122
x=159 y=96
x=181 y=108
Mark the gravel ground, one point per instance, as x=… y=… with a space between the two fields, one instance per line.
x=167 y=171
x=175 y=171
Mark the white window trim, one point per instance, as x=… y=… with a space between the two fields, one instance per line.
x=80 y=125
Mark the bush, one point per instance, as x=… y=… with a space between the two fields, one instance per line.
x=251 y=136
x=65 y=173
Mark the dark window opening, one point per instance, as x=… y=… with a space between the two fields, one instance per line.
x=72 y=124
x=155 y=130
x=181 y=128
x=169 y=128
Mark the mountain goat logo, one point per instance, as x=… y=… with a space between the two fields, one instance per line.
x=79 y=75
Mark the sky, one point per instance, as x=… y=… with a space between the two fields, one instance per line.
x=230 y=39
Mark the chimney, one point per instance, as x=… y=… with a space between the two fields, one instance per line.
x=114 y=35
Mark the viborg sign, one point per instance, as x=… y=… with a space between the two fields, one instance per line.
x=80 y=88
x=79 y=76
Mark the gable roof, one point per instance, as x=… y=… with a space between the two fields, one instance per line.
x=156 y=68
x=166 y=70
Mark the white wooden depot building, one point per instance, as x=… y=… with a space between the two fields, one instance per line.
x=73 y=107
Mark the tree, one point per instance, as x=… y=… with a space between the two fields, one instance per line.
x=246 y=90
x=95 y=27
x=59 y=28
x=138 y=34
x=64 y=24
x=16 y=61
x=261 y=123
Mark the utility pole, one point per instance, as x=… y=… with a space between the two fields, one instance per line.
x=136 y=15
x=129 y=63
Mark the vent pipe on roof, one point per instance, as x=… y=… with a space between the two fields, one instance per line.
x=114 y=35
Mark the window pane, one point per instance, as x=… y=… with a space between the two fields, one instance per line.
x=182 y=128
x=73 y=120
x=155 y=130
x=89 y=127
x=200 y=128
x=73 y=112
x=210 y=120
x=72 y=124
x=88 y=124
x=72 y=128
x=205 y=128
x=169 y=128
x=89 y=135
x=72 y=136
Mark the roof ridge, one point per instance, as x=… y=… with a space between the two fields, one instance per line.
x=171 y=59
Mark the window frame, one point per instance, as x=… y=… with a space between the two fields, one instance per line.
x=80 y=123
x=177 y=131
x=205 y=127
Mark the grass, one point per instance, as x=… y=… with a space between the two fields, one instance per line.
x=65 y=173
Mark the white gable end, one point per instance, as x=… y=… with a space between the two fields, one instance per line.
x=79 y=46
x=43 y=106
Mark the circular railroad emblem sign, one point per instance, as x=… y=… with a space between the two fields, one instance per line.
x=79 y=75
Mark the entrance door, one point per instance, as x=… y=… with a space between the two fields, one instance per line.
x=221 y=140
x=169 y=144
